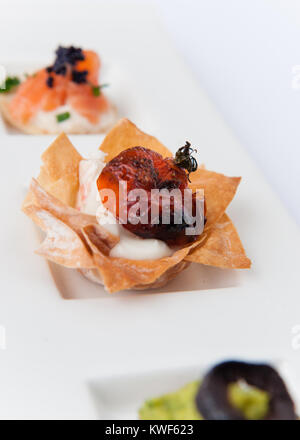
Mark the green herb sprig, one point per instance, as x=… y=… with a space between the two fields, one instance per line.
x=184 y=158
x=97 y=89
x=10 y=83
x=63 y=116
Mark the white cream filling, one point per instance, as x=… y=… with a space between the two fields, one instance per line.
x=76 y=123
x=129 y=246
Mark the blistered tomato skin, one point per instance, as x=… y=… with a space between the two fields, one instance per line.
x=145 y=169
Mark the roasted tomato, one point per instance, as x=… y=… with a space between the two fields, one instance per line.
x=145 y=169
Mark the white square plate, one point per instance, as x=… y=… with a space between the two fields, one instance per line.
x=121 y=397
x=55 y=348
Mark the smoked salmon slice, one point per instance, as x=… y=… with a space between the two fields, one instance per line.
x=81 y=98
x=28 y=98
x=69 y=81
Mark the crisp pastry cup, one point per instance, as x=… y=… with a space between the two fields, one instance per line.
x=76 y=240
x=31 y=128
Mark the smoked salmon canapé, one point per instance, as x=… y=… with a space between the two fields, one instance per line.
x=63 y=97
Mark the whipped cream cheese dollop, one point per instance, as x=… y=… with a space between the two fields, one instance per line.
x=130 y=246
x=76 y=123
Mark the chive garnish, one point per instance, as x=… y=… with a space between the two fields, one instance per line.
x=10 y=83
x=97 y=89
x=63 y=116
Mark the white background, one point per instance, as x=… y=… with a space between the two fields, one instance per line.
x=57 y=351
x=242 y=52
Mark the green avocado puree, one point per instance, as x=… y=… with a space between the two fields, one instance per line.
x=180 y=405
